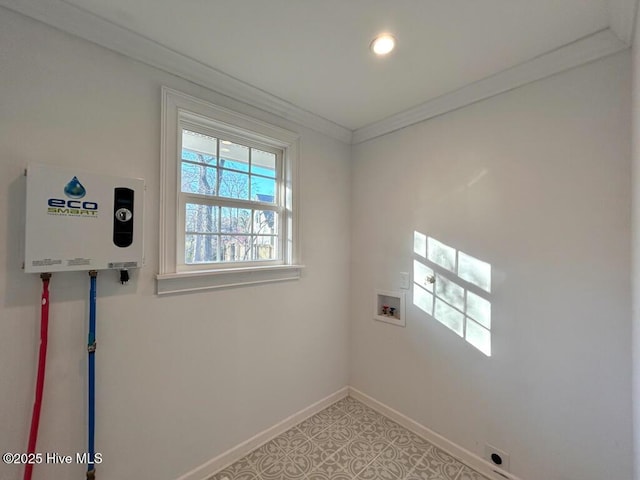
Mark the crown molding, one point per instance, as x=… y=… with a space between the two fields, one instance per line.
x=86 y=25
x=622 y=16
x=587 y=49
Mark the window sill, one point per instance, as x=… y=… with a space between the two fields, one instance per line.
x=182 y=282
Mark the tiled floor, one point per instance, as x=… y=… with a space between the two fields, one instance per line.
x=346 y=441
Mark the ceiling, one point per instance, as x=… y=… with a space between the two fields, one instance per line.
x=314 y=54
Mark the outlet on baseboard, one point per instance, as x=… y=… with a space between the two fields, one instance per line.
x=497 y=457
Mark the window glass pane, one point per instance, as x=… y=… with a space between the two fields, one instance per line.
x=235 y=248
x=422 y=299
x=475 y=271
x=198 y=157
x=234 y=156
x=441 y=254
x=265 y=248
x=235 y=220
x=263 y=163
x=420 y=275
x=479 y=309
x=449 y=291
x=198 y=179
x=198 y=147
x=201 y=218
x=263 y=189
x=234 y=185
x=265 y=222
x=449 y=316
x=200 y=248
x=479 y=337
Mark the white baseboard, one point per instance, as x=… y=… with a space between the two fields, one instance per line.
x=236 y=453
x=465 y=456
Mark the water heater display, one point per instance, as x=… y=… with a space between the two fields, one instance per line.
x=82 y=221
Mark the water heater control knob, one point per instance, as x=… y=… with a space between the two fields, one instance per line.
x=123 y=214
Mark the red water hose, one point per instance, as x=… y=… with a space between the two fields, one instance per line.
x=42 y=363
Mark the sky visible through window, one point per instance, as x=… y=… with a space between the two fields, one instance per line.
x=454 y=288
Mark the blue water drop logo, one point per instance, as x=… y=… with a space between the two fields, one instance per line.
x=74 y=189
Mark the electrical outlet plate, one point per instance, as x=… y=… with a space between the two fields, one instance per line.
x=496 y=457
x=404 y=280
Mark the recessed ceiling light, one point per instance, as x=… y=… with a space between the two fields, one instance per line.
x=383 y=44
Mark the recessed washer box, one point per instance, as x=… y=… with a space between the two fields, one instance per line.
x=79 y=220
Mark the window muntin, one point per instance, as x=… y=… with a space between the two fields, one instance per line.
x=230 y=201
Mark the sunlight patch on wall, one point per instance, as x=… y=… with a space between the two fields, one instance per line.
x=441 y=254
x=420 y=244
x=442 y=288
x=474 y=271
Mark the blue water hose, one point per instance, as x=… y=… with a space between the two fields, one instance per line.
x=91 y=347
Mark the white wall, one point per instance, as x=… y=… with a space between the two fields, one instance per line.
x=180 y=378
x=536 y=182
x=635 y=266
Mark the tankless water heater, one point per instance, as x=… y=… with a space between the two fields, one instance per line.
x=82 y=221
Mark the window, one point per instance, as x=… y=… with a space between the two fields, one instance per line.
x=228 y=198
x=229 y=201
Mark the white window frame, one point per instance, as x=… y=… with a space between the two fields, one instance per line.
x=178 y=110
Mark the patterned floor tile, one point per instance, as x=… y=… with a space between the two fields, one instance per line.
x=415 y=449
x=345 y=421
x=438 y=461
x=424 y=475
x=393 y=432
x=467 y=474
x=290 y=440
x=406 y=439
x=361 y=410
x=331 y=414
x=398 y=461
x=362 y=448
x=304 y=449
x=327 y=446
x=388 y=423
x=285 y=469
x=348 y=441
x=343 y=460
x=265 y=457
x=346 y=402
x=339 y=435
x=375 y=471
x=353 y=466
x=316 y=475
x=372 y=431
x=329 y=467
x=308 y=460
x=324 y=417
x=313 y=426
x=360 y=427
x=370 y=417
x=355 y=409
x=241 y=470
